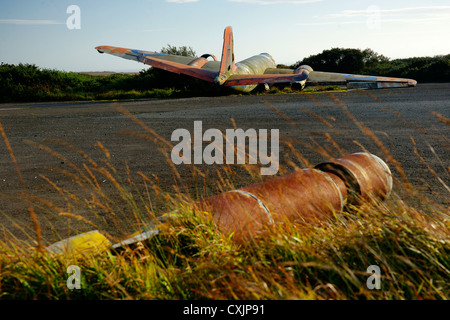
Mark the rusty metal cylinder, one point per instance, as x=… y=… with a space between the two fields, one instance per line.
x=366 y=176
x=304 y=196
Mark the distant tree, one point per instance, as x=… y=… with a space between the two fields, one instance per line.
x=438 y=70
x=344 y=60
x=179 y=51
x=283 y=66
x=371 y=58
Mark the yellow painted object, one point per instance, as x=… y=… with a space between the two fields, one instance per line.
x=81 y=245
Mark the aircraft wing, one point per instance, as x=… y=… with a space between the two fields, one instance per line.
x=195 y=67
x=352 y=81
x=355 y=81
x=242 y=80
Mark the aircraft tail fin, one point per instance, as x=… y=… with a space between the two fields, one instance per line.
x=227 y=65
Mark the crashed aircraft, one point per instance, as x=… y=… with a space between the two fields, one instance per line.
x=247 y=74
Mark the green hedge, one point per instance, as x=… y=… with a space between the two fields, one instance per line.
x=422 y=69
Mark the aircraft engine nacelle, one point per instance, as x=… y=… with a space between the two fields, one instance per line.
x=304 y=70
x=254 y=65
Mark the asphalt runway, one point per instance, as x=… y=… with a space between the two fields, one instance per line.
x=404 y=120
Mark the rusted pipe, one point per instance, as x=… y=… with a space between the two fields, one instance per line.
x=366 y=176
x=303 y=196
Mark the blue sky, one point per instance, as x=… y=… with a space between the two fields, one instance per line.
x=36 y=31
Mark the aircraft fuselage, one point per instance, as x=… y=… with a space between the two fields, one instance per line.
x=251 y=66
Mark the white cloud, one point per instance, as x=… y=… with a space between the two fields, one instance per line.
x=29 y=22
x=266 y=2
x=384 y=20
x=390 y=12
x=181 y=1
x=411 y=15
x=262 y=2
